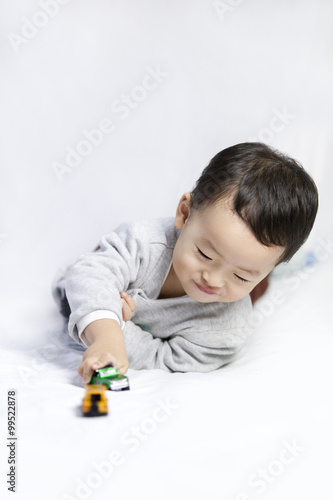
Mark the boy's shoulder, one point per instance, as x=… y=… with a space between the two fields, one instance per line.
x=156 y=230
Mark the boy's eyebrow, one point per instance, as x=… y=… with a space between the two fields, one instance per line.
x=250 y=271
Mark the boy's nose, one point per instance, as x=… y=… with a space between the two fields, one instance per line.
x=215 y=283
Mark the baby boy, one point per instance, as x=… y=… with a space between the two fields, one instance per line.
x=182 y=283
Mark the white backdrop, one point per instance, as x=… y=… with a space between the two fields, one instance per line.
x=168 y=83
x=229 y=72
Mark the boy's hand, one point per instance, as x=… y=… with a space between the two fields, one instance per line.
x=128 y=306
x=106 y=349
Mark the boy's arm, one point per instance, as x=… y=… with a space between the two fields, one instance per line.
x=183 y=352
x=106 y=344
x=95 y=280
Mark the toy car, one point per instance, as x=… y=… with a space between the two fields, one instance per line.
x=95 y=403
x=109 y=376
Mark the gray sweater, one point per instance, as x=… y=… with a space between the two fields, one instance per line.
x=175 y=334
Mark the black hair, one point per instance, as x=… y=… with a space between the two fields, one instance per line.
x=272 y=193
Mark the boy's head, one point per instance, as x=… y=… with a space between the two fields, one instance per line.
x=251 y=209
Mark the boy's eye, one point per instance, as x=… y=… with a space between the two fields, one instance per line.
x=202 y=254
x=241 y=279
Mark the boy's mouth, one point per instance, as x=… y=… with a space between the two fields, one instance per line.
x=206 y=290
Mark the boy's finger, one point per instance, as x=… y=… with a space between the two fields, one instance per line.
x=104 y=360
x=130 y=301
x=127 y=313
x=87 y=374
x=86 y=369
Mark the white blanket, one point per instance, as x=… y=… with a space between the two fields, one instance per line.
x=260 y=427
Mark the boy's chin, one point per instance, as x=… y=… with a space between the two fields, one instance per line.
x=212 y=298
x=207 y=298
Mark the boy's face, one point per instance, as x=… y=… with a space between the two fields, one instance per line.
x=217 y=252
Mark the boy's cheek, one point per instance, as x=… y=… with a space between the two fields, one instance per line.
x=188 y=263
x=259 y=289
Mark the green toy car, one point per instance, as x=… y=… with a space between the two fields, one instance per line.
x=110 y=377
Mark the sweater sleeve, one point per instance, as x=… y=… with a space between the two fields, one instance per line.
x=182 y=352
x=95 y=280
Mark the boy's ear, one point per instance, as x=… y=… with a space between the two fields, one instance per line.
x=183 y=210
